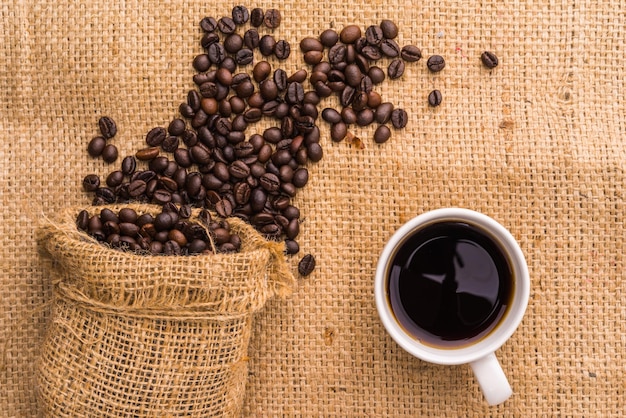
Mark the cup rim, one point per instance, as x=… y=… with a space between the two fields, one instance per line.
x=508 y=324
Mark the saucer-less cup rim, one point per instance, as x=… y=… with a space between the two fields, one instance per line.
x=480 y=354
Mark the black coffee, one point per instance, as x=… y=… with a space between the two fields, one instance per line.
x=449 y=284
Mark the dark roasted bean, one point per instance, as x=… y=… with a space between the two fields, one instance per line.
x=411 y=53
x=489 y=59
x=434 y=98
x=272 y=18
x=108 y=128
x=306 y=265
x=91 y=182
x=96 y=146
x=435 y=63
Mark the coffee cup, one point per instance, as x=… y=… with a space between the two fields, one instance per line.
x=451 y=287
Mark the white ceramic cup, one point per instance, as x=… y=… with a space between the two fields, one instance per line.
x=479 y=354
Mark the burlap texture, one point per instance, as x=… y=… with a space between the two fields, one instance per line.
x=137 y=335
x=536 y=143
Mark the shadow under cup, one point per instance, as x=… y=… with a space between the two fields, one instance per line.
x=451 y=286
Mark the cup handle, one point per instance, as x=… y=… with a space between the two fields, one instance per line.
x=491 y=379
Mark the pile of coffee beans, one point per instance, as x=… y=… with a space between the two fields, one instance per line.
x=170 y=232
x=206 y=157
x=345 y=63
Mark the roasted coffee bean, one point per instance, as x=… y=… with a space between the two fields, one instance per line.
x=207 y=40
x=233 y=43
x=435 y=63
x=331 y=115
x=434 y=98
x=311 y=44
x=399 y=118
x=348 y=115
x=256 y=17
x=267 y=45
x=261 y=71
x=91 y=182
x=353 y=75
x=376 y=74
x=300 y=177
x=395 y=69
x=389 y=28
x=372 y=53
x=314 y=152
x=360 y=101
x=349 y=34
x=291 y=247
x=129 y=164
x=382 y=134
x=216 y=53
x=96 y=146
x=244 y=57
x=282 y=49
x=137 y=188
x=383 y=112
x=224 y=76
x=224 y=208
x=306 y=265
x=106 y=194
x=201 y=63
x=272 y=18
x=338 y=131
x=240 y=14
x=115 y=178
x=226 y=25
x=280 y=78
x=390 y=48
x=329 y=38
x=155 y=136
x=208 y=24
x=489 y=59
x=109 y=153
x=147 y=154
x=251 y=39
x=364 y=117
x=410 y=53
x=374 y=99
x=295 y=93
x=268 y=89
x=374 y=35
x=170 y=144
x=347 y=96
x=108 y=128
x=313 y=57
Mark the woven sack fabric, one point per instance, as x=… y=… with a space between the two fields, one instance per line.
x=137 y=335
x=536 y=143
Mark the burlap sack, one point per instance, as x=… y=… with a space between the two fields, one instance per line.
x=137 y=335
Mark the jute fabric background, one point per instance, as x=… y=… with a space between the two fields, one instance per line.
x=536 y=143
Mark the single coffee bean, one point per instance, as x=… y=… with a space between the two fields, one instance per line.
x=109 y=153
x=295 y=93
x=383 y=112
x=291 y=247
x=251 y=39
x=147 y=154
x=208 y=24
x=268 y=89
x=129 y=164
x=170 y=144
x=226 y=25
x=348 y=115
x=313 y=57
x=261 y=71
x=267 y=43
x=329 y=38
x=382 y=134
x=331 y=115
x=489 y=59
x=300 y=177
x=349 y=34
x=176 y=127
x=374 y=35
x=224 y=208
x=256 y=17
x=224 y=76
x=411 y=53
x=314 y=152
x=353 y=75
x=434 y=98
x=306 y=265
x=137 y=188
x=240 y=14
x=91 y=182
x=337 y=54
x=282 y=49
x=208 y=39
x=244 y=57
x=96 y=146
x=374 y=99
x=108 y=128
x=390 y=48
x=311 y=44
x=156 y=136
x=435 y=63
x=395 y=69
x=372 y=52
x=389 y=28
x=399 y=118
x=280 y=78
x=233 y=43
x=216 y=53
x=272 y=18
x=201 y=63
x=364 y=117
x=115 y=178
